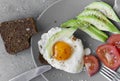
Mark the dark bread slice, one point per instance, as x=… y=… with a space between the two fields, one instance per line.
x=16 y=34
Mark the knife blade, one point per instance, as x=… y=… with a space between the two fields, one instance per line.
x=32 y=73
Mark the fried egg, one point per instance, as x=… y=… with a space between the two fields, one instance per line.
x=66 y=53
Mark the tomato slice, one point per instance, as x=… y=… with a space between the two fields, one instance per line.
x=109 y=55
x=115 y=41
x=91 y=64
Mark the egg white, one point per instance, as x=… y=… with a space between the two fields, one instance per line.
x=72 y=65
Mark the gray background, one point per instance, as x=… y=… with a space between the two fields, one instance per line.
x=12 y=65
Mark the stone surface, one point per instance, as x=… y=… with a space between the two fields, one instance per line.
x=12 y=65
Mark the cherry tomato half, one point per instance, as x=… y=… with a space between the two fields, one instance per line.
x=115 y=41
x=91 y=64
x=109 y=55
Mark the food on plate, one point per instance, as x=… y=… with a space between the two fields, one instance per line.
x=93 y=21
x=91 y=64
x=109 y=55
x=42 y=60
x=105 y=8
x=16 y=34
x=65 y=52
x=62 y=50
x=115 y=41
x=98 y=19
x=87 y=51
x=91 y=30
x=97 y=13
x=99 y=22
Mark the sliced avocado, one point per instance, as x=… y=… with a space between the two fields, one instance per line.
x=66 y=32
x=94 y=12
x=86 y=27
x=69 y=23
x=96 y=34
x=105 y=8
x=100 y=23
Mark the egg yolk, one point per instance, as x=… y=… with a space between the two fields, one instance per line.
x=62 y=50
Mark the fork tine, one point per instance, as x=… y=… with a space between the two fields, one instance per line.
x=106 y=75
x=117 y=75
x=108 y=71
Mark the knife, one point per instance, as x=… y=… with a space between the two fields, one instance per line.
x=27 y=76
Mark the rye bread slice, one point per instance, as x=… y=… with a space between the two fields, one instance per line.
x=16 y=34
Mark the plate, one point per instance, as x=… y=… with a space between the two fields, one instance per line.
x=53 y=16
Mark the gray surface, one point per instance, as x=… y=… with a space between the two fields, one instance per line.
x=61 y=12
x=12 y=65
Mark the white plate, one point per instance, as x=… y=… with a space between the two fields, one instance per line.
x=53 y=16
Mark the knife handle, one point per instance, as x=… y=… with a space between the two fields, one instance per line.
x=32 y=73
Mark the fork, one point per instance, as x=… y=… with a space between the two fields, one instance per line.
x=110 y=74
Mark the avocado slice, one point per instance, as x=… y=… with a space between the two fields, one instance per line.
x=98 y=14
x=72 y=23
x=65 y=32
x=105 y=8
x=94 y=12
x=100 y=23
x=92 y=31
